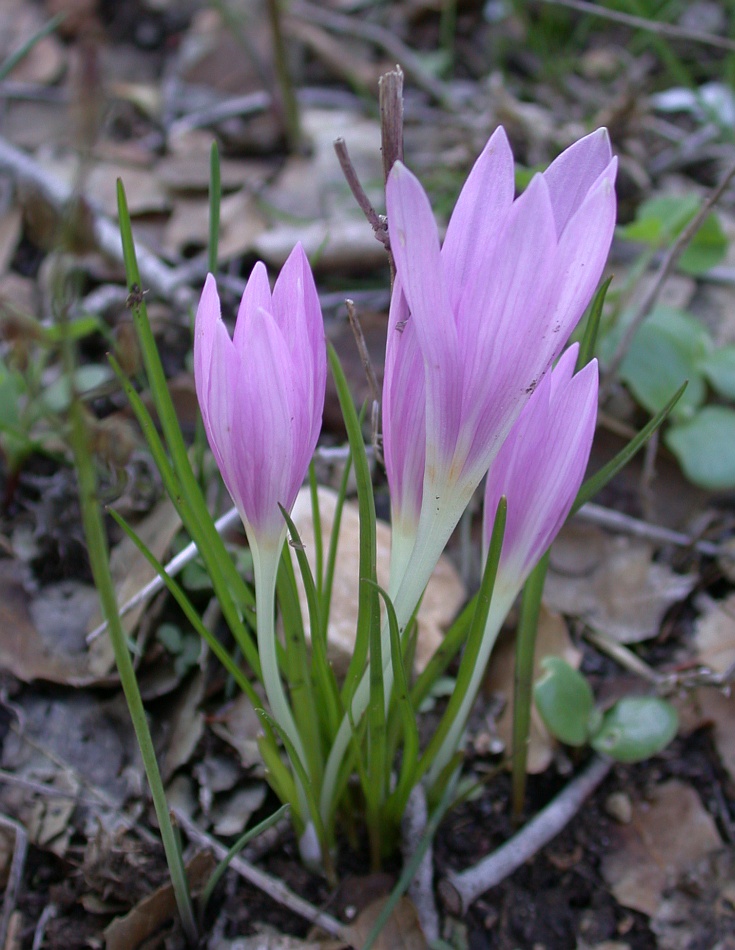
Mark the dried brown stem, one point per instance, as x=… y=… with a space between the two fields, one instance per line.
x=372 y=379
x=348 y=169
x=667 y=265
x=390 y=86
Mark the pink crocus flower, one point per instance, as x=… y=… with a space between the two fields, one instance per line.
x=262 y=393
x=476 y=323
x=539 y=470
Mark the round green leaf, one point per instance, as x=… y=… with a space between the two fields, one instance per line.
x=667 y=349
x=705 y=447
x=636 y=728
x=564 y=700
x=719 y=368
x=707 y=248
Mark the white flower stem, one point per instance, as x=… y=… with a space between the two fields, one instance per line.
x=499 y=607
x=266 y=558
x=438 y=520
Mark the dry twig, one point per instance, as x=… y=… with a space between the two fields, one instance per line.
x=379 y=36
x=625 y=524
x=270 y=885
x=156 y=275
x=421 y=888
x=15 y=875
x=459 y=890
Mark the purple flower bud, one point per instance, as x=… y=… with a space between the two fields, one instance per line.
x=262 y=393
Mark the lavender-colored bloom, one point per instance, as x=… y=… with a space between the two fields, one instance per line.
x=483 y=319
x=540 y=468
x=262 y=393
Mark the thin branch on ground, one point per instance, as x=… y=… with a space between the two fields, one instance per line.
x=669 y=30
x=163 y=280
x=666 y=684
x=665 y=268
x=379 y=36
x=421 y=889
x=39 y=934
x=459 y=890
x=272 y=886
x=233 y=108
x=15 y=875
x=625 y=524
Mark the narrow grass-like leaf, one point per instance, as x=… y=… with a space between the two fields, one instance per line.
x=523 y=678
x=99 y=560
x=203 y=525
x=215 y=199
x=316 y=520
x=296 y=656
x=190 y=613
x=412 y=865
x=279 y=776
x=172 y=485
x=221 y=568
x=326 y=595
x=443 y=655
x=377 y=752
x=406 y=712
x=309 y=792
x=598 y=481
x=437 y=744
x=328 y=705
x=592 y=326
x=242 y=842
x=368 y=611
x=10 y=62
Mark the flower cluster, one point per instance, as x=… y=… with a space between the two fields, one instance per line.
x=476 y=325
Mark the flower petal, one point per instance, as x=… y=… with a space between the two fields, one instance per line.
x=580 y=260
x=574 y=172
x=415 y=247
x=499 y=322
x=207 y=315
x=257 y=294
x=263 y=428
x=477 y=220
x=541 y=466
x=404 y=411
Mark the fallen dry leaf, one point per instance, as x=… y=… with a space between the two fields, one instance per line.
x=714 y=633
x=156 y=910
x=612 y=583
x=402 y=930
x=700 y=910
x=42 y=638
x=444 y=595
x=552 y=640
x=664 y=836
x=711 y=707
